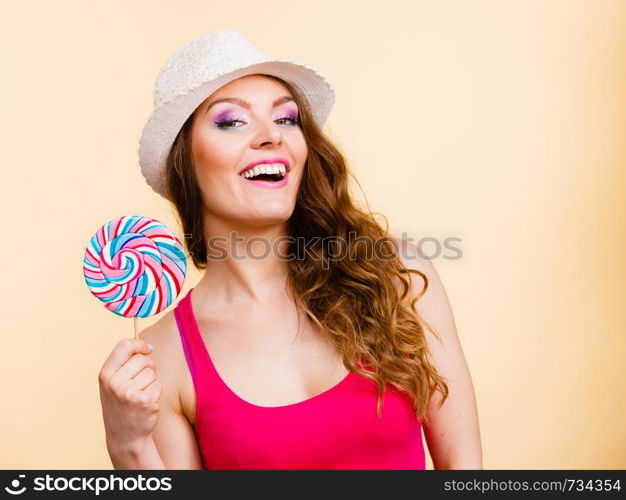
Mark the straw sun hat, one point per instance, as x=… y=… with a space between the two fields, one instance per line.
x=198 y=69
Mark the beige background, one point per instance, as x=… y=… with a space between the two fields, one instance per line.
x=498 y=122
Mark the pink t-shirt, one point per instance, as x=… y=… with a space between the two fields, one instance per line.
x=337 y=429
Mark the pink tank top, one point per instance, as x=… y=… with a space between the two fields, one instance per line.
x=337 y=429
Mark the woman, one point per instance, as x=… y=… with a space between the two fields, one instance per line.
x=292 y=358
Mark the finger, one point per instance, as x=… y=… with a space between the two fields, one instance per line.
x=144 y=378
x=122 y=352
x=154 y=390
x=133 y=366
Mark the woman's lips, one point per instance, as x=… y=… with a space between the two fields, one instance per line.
x=268 y=184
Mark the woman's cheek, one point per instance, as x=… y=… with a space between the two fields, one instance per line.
x=202 y=148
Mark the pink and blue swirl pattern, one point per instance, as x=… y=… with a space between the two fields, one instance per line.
x=135 y=265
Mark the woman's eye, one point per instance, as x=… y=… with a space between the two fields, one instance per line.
x=227 y=123
x=294 y=121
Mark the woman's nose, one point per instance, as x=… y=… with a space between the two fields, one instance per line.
x=268 y=133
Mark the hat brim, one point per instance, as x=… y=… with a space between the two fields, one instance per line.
x=166 y=121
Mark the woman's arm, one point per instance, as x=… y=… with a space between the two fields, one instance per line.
x=173 y=440
x=136 y=455
x=172 y=444
x=453 y=434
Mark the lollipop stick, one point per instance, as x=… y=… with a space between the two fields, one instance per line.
x=135 y=322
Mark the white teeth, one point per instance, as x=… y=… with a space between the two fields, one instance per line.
x=274 y=168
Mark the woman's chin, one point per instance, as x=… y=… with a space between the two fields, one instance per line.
x=267 y=218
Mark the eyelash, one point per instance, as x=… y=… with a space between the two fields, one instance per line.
x=221 y=125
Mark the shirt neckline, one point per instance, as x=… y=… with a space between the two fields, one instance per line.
x=313 y=399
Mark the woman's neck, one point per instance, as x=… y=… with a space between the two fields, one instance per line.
x=244 y=266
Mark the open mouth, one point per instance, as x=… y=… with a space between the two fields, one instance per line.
x=266 y=172
x=267 y=177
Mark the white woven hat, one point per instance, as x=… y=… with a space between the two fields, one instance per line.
x=198 y=69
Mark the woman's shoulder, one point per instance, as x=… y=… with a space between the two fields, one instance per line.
x=162 y=333
x=411 y=258
x=433 y=304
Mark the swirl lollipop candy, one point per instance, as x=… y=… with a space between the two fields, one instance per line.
x=135 y=265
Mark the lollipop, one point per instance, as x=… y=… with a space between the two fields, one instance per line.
x=135 y=265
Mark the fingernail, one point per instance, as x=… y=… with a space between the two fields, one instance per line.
x=151 y=347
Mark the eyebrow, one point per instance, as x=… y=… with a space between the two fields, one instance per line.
x=246 y=104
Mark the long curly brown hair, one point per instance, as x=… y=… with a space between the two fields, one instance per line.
x=354 y=300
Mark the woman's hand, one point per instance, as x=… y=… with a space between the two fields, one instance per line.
x=129 y=394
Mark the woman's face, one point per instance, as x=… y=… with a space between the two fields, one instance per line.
x=259 y=122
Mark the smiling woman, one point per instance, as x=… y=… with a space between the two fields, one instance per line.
x=307 y=362
x=237 y=143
